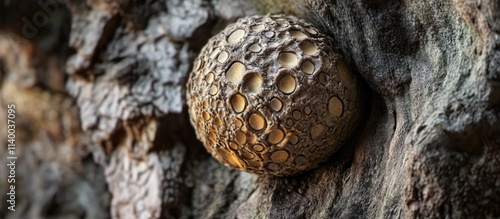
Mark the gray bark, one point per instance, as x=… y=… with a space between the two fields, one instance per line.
x=428 y=144
x=55 y=175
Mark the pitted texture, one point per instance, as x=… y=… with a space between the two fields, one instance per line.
x=270 y=96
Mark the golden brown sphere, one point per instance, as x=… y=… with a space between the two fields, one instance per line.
x=268 y=95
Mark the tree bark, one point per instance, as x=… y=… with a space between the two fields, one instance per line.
x=112 y=108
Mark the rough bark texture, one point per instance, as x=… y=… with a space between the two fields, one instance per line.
x=56 y=176
x=427 y=147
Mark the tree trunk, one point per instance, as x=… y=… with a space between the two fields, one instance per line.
x=105 y=100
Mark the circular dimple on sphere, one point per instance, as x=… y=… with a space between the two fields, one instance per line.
x=210 y=77
x=238 y=123
x=206 y=115
x=270 y=95
x=335 y=107
x=253 y=82
x=198 y=64
x=276 y=136
x=258 y=27
x=279 y=156
x=307 y=110
x=233 y=145
x=294 y=139
x=308 y=67
x=241 y=137
x=296 y=114
x=248 y=155
x=236 y=36
x=288 y=60
x=317 y=130
x=300 y=160
x=276 y=104
x=287 y=83
x=257 y=122
x=235 y=72
x=199 y=80
x=273 y=167
x=222 y=57
x=311 y=30
x=258 y=147
x=218 y=122
x=255 y=47
x=214 y=53
x=308 y=48
x=238 y=102
x=213 y=90
x=269 y=34
x=298 y=34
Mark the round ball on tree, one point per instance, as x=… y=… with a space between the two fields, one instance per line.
x=270 y=96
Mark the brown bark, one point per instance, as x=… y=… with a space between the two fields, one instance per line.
x=428 y=145
x=55 y=175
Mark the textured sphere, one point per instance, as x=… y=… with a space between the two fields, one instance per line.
x=270 y=96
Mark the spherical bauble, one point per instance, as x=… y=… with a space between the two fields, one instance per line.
x=269 y=95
